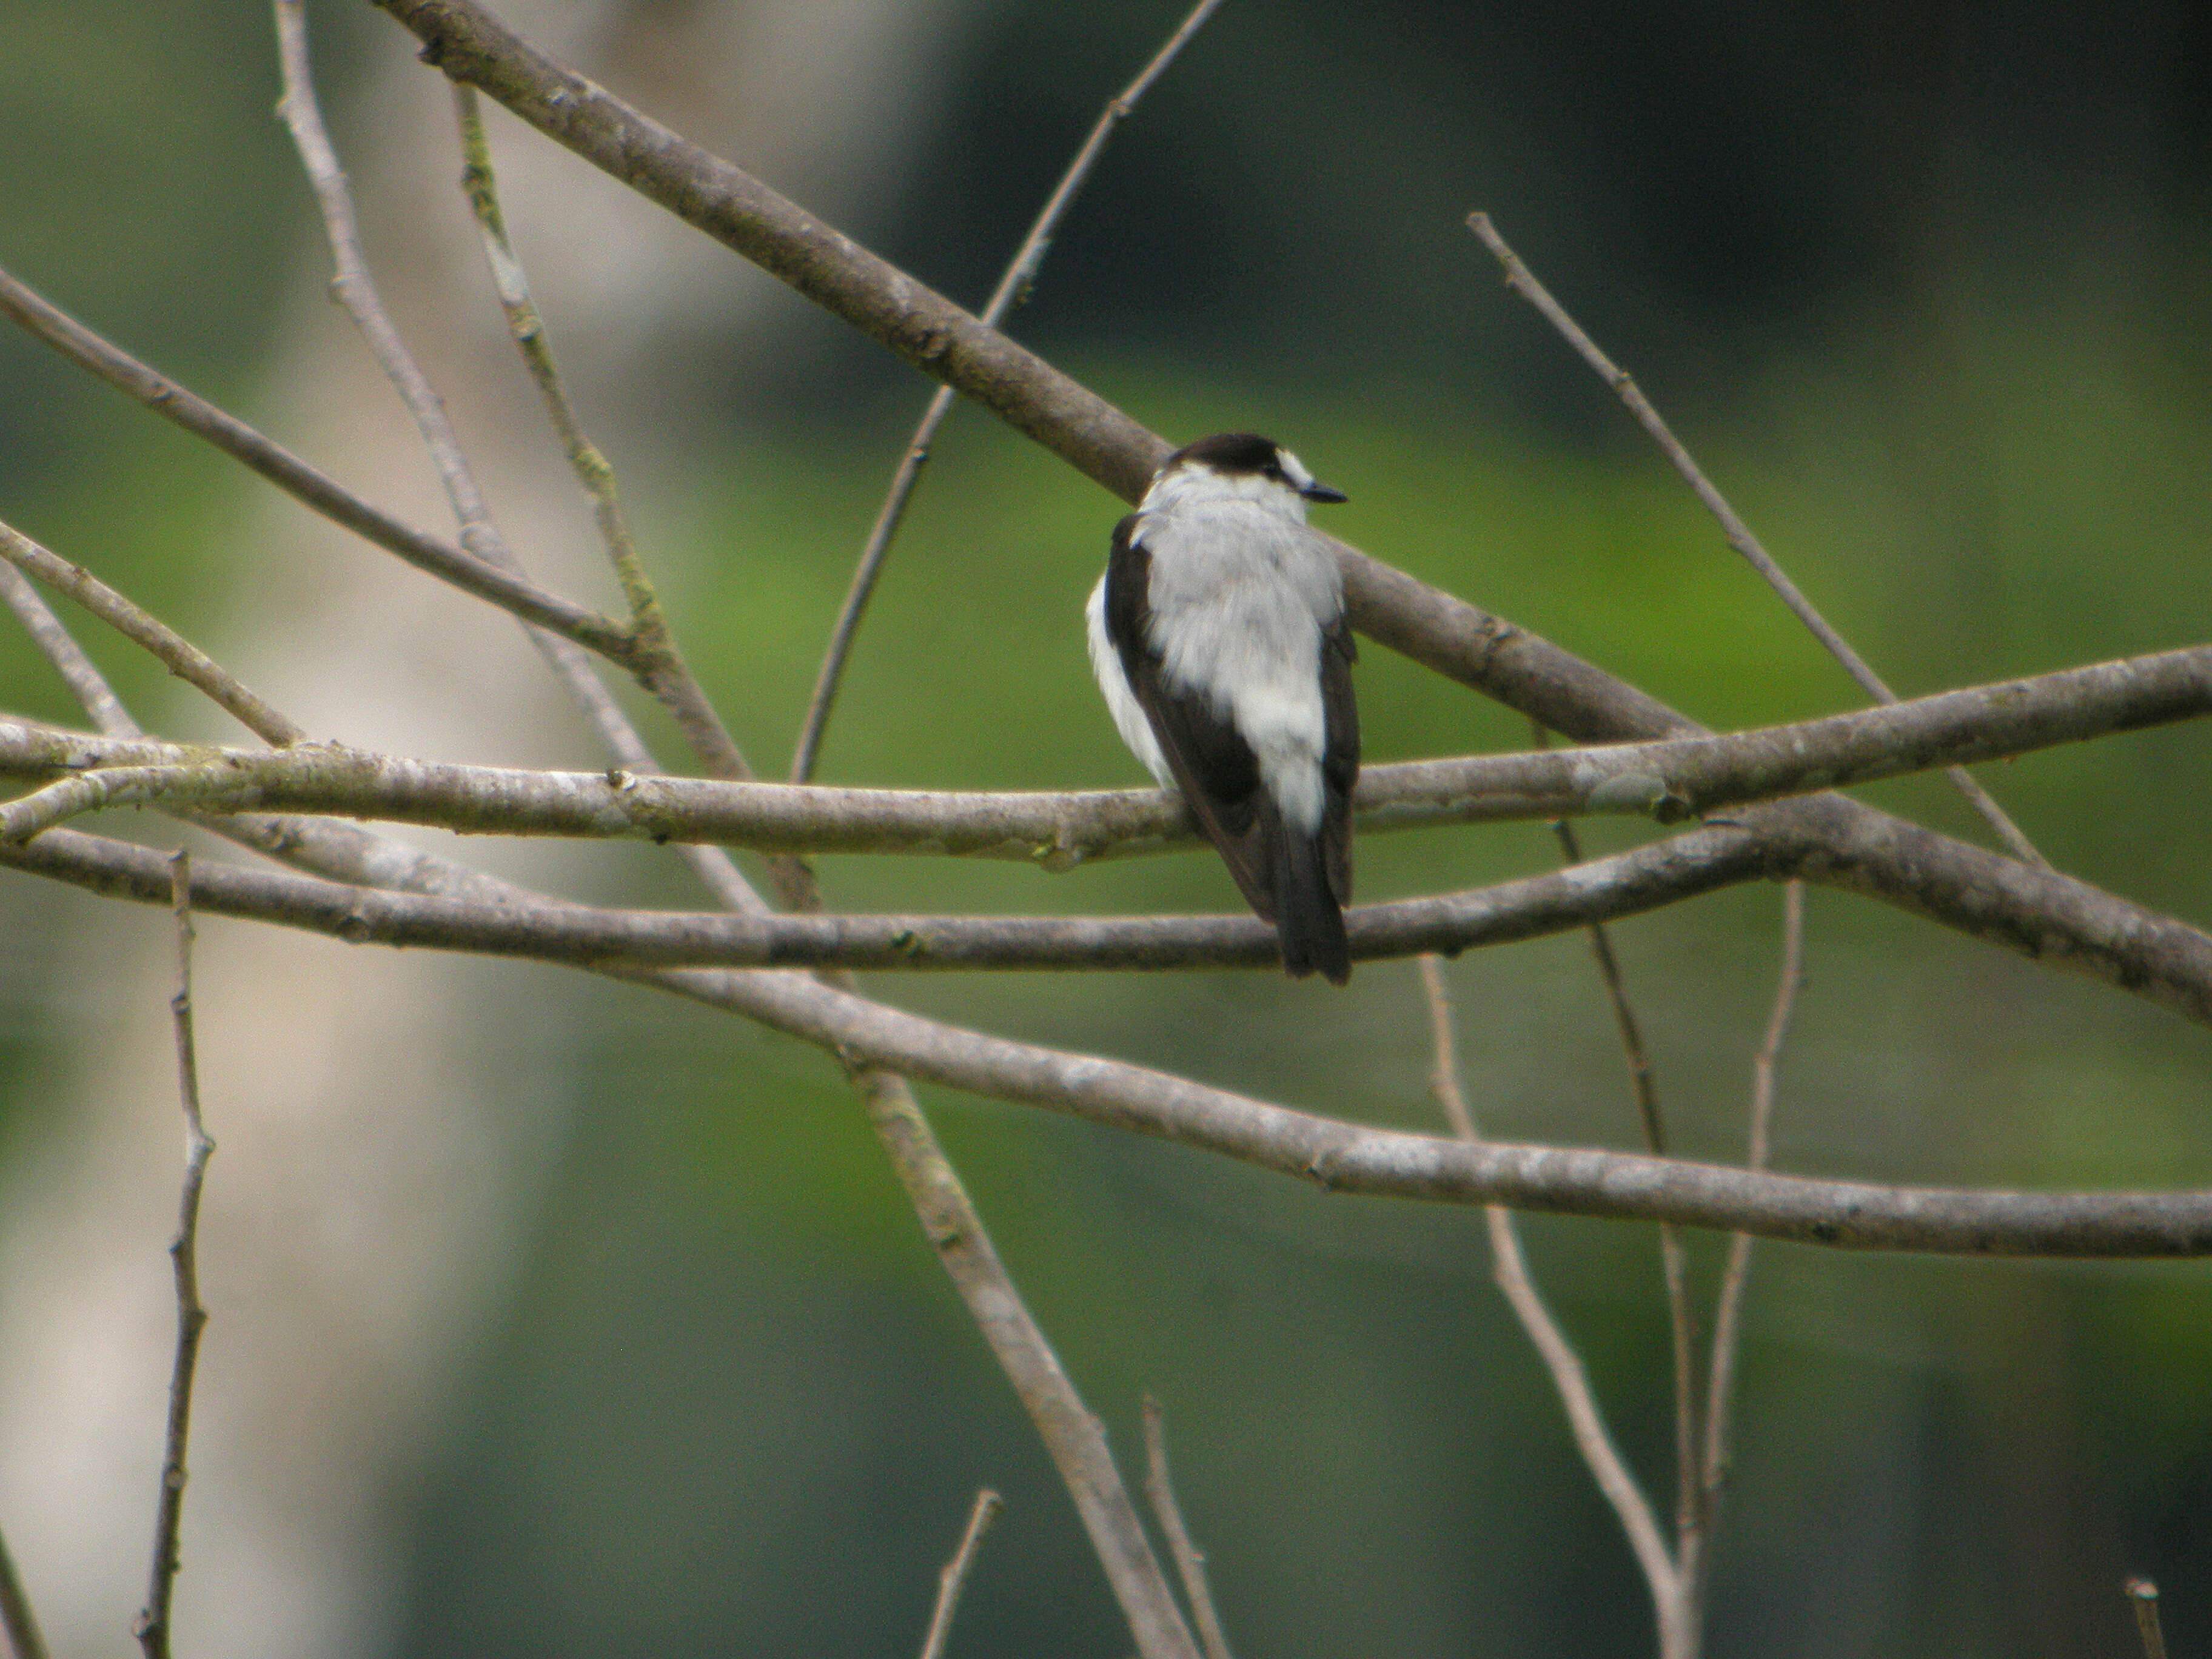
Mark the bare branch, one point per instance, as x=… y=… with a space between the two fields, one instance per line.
x=1727 y=1318
x=1669 y=780
x=182 y=658
x=954 y=1578
x=1013 y=289
x=312 y=489
x=588 y=937
x=85 y=681
x=17 y=1622
x=1681 y=1323
x=152 y=1628
x=1190 y=1560
x=654 y=659
x=1343 y=1157
x=1509 y=1267
x=2144 y=1595
x=1524 y=281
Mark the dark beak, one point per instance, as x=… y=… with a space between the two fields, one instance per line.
x=1321 y=492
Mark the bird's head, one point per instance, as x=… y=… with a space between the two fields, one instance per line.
x=1238 y=466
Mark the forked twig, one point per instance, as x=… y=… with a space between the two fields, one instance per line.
x=1522 y=281
x=1013 y=290
x=1190 y=1560
x=1585 y=1419
x=2144 y=1595
x=953 y=1577
x=152 y=1628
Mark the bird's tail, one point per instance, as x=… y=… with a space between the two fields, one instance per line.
x=1307 y=918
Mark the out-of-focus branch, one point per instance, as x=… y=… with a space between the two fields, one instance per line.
x=1190 y=1560
x=141 y=628
x=1678 y=1634
x=1697 y=1562
x=1013 y=289
x=2144 y=1594
x=1524 y=281
x=954 y=1578
x=1509 y=1267
x=1728 y=1321
x=17 y=1622
x=312 y=489
x=152 y=1628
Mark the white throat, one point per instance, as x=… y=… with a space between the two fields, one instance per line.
x=1198 y=485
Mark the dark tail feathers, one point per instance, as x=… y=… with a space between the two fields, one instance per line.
x=1307 y=918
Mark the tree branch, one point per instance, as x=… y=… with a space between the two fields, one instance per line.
x=152 y=1628
x=1509 y=1266
x=1340 y=1157
x=1669 y=781
x=178 y=654
x=1524 y=281
x=954 y=1578
x=313 y=490
x=1190 y=1560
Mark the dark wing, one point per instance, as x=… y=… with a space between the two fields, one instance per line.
x=1339 y=760
x=1214 y=767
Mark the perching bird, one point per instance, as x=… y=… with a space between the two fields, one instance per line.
x=1218 y=637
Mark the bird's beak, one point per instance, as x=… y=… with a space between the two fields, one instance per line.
x=1321 y=492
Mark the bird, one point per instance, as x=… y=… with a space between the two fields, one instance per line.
x=1217 y=636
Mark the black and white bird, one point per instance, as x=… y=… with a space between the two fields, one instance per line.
x=1218 y=637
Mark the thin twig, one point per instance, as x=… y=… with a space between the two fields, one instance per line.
x=2144 y=1595
x=141 y=628
x=1585 y=1420
x=1521 y=281
x=1728 y=1313
x=953 y=1577
x=656 y=661
x=315 y=491
x=1728 y=1318
x=1013 y=289
x=1190 y=1560
x=85 y=681
x=152 y=1628
x=17 y=1622
x=1689 y=1498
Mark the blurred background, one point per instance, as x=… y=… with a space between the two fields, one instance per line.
x=553 y=1317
